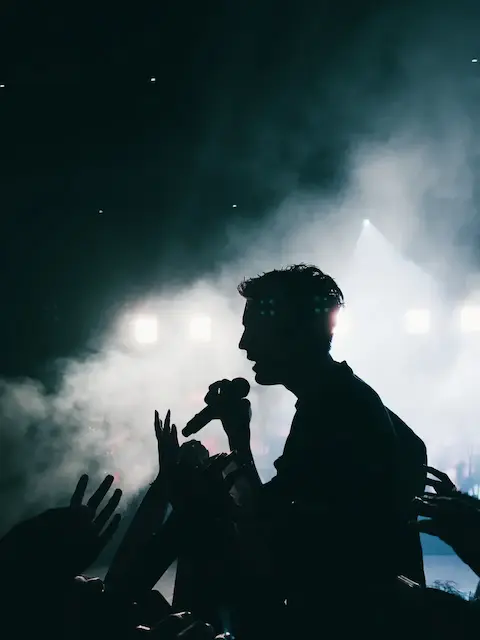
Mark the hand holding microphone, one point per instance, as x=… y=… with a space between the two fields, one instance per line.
x=226 y=401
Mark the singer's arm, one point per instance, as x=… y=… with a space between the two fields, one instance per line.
x=236 y=424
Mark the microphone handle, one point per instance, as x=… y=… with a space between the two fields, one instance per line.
x=207 y=414
x=198 y=421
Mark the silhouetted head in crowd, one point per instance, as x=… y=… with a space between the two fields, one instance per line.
x=288 y=321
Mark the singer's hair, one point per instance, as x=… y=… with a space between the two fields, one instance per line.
x=304 y=289
x=296 y=282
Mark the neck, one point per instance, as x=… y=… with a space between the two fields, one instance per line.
x=306 y=375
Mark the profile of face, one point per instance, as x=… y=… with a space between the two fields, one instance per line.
x=269 y=342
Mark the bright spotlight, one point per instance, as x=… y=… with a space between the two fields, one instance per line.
x=470 y=319
x=201 y=328
x=342 y=323
x=145 y=329
x=366 y=223
x=417 y=321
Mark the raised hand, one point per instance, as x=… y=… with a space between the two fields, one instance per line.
x=64 y=542
x=455 y=519
x=150 y=514
x=441 y=483
x=167 y=443
x=99 y=527
x=193 y=454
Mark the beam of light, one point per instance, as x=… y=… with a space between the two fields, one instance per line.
x=417 y=321
x=470 y=319
x=201 y=328
x=145 y=329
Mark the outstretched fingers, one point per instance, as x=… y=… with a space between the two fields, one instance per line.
x=78 y=495
x=174 y=434
x=167 y=422
x=441 y=483
x=158 y=425
x=109 y=509
x=94 y=502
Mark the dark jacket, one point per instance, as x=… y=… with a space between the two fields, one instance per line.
x=348 y=473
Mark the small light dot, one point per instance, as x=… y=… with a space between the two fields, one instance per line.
x=234 y=206
x=100 y=211
x=474 y=59
x=152 y=79
x=2 y=86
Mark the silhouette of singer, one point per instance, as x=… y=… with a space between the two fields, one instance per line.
x=350 y=467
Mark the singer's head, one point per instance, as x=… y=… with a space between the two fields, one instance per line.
x=288 y=321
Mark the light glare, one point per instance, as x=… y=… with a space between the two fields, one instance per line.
x=145 y=329
x=342 y=323
x=417 y=321
x=470 y=319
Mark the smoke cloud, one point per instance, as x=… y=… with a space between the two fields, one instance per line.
x=408 y=165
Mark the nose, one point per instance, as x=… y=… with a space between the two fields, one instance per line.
x=245 y=343
x=241 y=344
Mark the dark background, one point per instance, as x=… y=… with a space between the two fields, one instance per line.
x=83 y=129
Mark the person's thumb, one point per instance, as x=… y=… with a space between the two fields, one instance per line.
x=432 y=528
x=426 y=526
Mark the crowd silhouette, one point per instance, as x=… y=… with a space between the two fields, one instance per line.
x=329 y=548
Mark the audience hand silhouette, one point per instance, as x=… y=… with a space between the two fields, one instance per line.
x=168 y=447
x=203 y=490
x=65 y=541
x=455 y=519
x=193 y=454
x=441 y=484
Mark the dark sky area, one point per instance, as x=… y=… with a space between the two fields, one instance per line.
x=83 y=128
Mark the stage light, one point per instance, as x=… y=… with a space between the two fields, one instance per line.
x=470 y=319
x=342 y=323
x=474 y=491
x=145 y=329
x=417 y=321
x=201 y=328
x=366 y=223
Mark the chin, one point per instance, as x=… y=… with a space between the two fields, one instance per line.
x=266 y=379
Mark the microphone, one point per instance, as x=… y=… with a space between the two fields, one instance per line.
x=236 y=389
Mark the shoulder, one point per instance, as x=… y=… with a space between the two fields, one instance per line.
x=363 y=407
x=347 y=380
x=407 y=436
